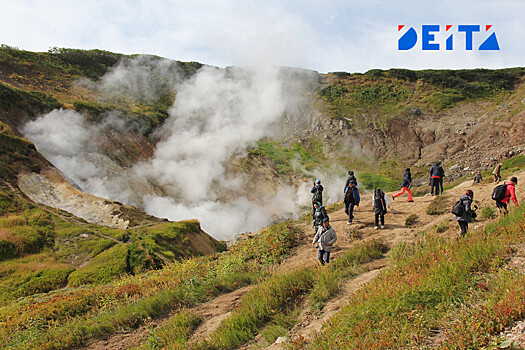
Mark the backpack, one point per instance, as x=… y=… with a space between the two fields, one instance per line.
x=459 y=208
x=379 y=201
x=318 y=194
x=498 y=194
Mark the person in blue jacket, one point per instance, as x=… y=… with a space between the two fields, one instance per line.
x=405 y=186
x=352 y=199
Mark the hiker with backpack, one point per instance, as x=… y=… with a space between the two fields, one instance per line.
x=317 y=191
x=350 y=178
x=325 y=238
x=351 y=199
x=319 y=215
x=436 y=179
x=380 y=203
x=464 y=212
x=502 y=194
x=405 y=186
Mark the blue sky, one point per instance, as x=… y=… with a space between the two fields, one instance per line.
x=352 y=36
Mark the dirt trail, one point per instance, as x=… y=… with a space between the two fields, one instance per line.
x=393 y=233
x=304 y=254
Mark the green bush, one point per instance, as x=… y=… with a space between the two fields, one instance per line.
x=443 y=100
x=411 y=220
x=42 y=281
x=487 y=213
x=374 y=180
x=439 y=206
x=104 y=268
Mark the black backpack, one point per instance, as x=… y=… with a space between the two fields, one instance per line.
x=459 y=208
x=380 y=202
x=498 y=194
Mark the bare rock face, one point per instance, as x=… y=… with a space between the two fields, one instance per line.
x=51 y=189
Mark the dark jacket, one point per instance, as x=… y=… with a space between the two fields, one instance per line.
x=437 y=170
x=407 y=179
x=380 y=202
x=352 y=195
x=467 y=213
x=319 y=215
x=317 y=190
x=350 y=178
x=478 y=178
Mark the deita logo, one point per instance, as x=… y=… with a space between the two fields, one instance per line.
x=428 y=42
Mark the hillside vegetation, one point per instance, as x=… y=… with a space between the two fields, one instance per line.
x=65 y=282
x=44 y=249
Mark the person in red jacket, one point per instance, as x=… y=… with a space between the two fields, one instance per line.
x=509 y=194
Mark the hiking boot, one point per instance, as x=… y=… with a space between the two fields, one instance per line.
x=393 y=198
x=411 y=200
x=321 y=261
x=382 y=226
x=375 y=228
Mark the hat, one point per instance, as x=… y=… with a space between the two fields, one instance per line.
x=350 y=172
x=326 y=220
x=318 y=181
x=514 y=179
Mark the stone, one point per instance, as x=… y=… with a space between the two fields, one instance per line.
x=281 y=340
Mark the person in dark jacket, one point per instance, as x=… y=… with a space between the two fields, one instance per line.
x=317 y=191
x=380 y=203
x=352 y=199
x=319 y=215
x=350 y=178
x=478 y=178
x=468 y=212
x=436 y=179
x=405 y=186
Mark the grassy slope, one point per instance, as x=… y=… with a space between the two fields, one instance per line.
x=39 y=249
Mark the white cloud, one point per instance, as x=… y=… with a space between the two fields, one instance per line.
x=326 y=36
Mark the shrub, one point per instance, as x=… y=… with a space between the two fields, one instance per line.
x=411 y=220
x=373 y=180
x=439 y=206
x=487 y=213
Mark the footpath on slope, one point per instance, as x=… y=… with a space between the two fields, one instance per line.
x=304 y=254
x=394 y=233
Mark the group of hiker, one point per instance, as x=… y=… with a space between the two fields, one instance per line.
x=463 y=210
x=501 y=194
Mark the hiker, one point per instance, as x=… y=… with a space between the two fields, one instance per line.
x=478 y=178
x=317 y=190
x=319 y=215
x=405 y=186
x=467 y=212
x=380 y=203
x=510 y=193
x=352 y=199
x=496 y=172
x=325 y=238
x=436 y=179
x=350 y=178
